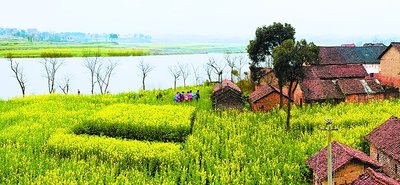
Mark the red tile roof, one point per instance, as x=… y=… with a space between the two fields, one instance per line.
x=320 y=90
x=335 y=71
x=341 y=155
x=371 y=177
x=337 y=55
x=359 y=86
x=331 y=55
x=386 y=137
x=226 y=84
x=264 y=91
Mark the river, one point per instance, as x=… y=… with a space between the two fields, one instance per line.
x=125 y=77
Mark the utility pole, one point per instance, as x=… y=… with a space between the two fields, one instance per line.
x=329 y=128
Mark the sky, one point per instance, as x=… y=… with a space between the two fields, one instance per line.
x=313 y=19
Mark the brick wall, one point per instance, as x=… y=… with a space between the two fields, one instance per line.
x=387 y=80
x=268 y=102
x=358 y=98
x=390 y=167
x=390 y=63
x=347 y=174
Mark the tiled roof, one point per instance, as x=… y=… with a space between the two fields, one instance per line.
x=350 y=55
x=359 y=86
x=393 y=44
x=386 y=137
x=341 y=155
x=320 y=90
x=226 y=84
x=264 y=91
x=371 y=177
x=334 y=71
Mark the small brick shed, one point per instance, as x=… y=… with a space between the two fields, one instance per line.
x=266 y=98
x=347 y=164
x=227 y=95
x=385 y=146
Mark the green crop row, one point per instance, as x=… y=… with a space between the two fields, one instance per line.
x=141 y=155
x=140 y=122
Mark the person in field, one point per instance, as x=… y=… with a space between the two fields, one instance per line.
x=187 y=96
x=190 y=95
x=182 y=96
x=197 y=95
x=177 y=97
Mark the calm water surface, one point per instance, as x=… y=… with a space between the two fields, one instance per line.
x=125 y=77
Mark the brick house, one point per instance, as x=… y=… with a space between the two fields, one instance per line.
x=385 y=146
x=227 y=95
x=347 y=164
x=366 y=55
x=318 y=91
x=389 y=72
x=361 y=90
x=337 y=83
x=266 y=98
x=371 y=177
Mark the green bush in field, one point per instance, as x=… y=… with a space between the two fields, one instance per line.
x=142 y=155
x=141 y=122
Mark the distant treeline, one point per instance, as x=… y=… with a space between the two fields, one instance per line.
x=33 y=35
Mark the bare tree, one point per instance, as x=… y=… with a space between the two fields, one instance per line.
x=103 y=75
x=184 y=72
x=51 y=64
x=207 y=68
x=175 y=72
x=218 y=68
x=231 y=60
x=18 y=72
x=240 y=64
x=196 y=73
x=144 y=70
x=64 y=86
x=91 y=62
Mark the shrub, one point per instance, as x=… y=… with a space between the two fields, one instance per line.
x=140 y=122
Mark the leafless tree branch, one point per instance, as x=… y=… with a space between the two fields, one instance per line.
x=18 y=72
x=103 y=75
x=184 y=72
x=144 y=70
x=175 y=72
x=91 y=61
x=51 y=63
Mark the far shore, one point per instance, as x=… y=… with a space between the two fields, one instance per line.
x=67 y=50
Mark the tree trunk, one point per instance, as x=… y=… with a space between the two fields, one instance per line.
x=175 y=84
x=23 y=90
x=231 y=75
x=289 y=106
x=92 y=84
x=280 y=96
x=144 y=88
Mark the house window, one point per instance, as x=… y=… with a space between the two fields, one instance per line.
x=377 y=157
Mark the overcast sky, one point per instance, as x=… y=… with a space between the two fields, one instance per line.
x=311 y=18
